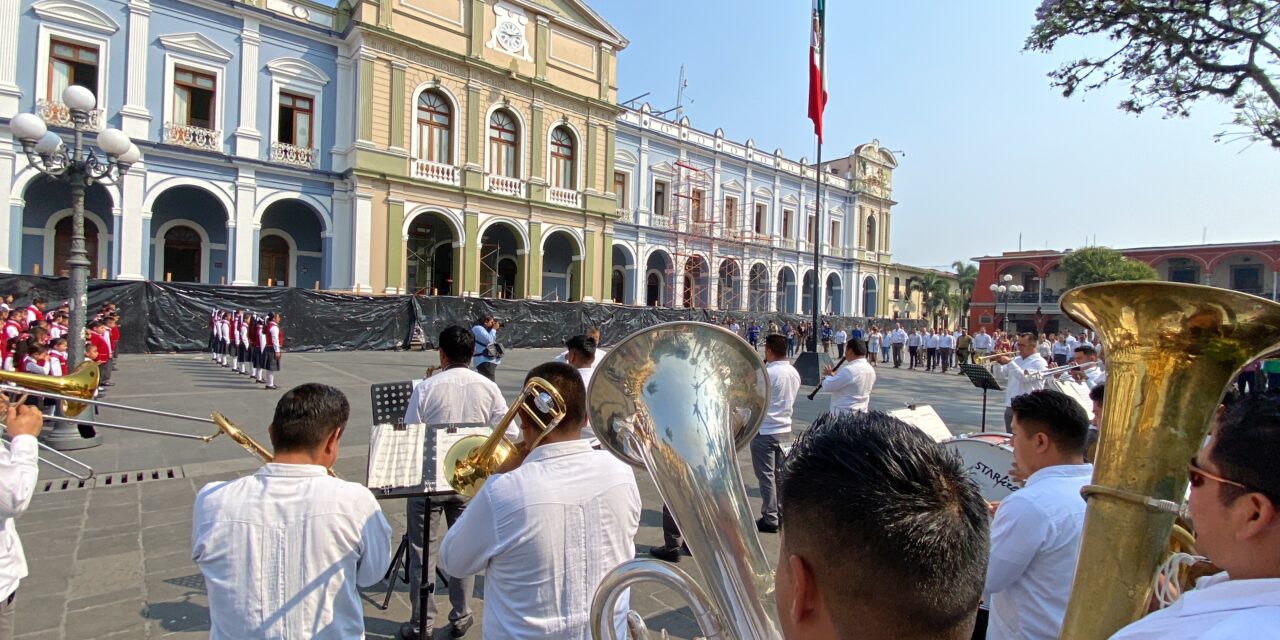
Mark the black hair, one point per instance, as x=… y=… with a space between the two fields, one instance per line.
x=568 y=382
x=1057 y=415
x=859 y=347
x=484 y=318
x=1025 y=334
x=1096 y=394
x=35 y=301
x=1246 y=446
x=1086 y=350
x=776 y=343
x=911 y=524
x=457 y=344
x=582 y=346
x=306 y=416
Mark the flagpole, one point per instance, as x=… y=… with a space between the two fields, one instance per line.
x=817 y=180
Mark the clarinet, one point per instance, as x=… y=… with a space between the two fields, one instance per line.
x=819 y=387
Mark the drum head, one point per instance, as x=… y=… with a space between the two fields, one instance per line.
x=987 y=459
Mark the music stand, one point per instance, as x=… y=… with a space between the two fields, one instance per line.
x=981 y=378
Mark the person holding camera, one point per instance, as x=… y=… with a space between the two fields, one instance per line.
x=488 y=353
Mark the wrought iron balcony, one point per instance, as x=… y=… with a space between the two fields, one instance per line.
x=435 y=172
x=564 y=197
x=503 y=185
x=294 y=155
x=57 y=114
x=193 y=137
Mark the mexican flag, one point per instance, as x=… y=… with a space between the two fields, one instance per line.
x=817 y=79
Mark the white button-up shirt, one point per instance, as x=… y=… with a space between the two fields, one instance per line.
x=931 y=341
x=841 y=337
x=1020 y=381
x=850 y=386
x=983 y=342
x=784 y=384
x=545 y=535
x=1035 y=538
x=897 y=336
x=455 y=395
x=1217 y=609
x=282 y=552
x=19 y=472
x=947 y=341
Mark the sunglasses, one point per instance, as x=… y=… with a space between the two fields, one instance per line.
x=1197 y=476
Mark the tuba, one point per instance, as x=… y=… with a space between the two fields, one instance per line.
x=678 y=399
x=1171 y=349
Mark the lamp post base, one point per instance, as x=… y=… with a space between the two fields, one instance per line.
x=66 y=436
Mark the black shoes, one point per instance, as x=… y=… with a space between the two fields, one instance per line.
x=765 y=527
x=460 y=627
x=409 y=631
x=666 y=553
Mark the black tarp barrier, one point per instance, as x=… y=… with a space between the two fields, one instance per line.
x=166 y=317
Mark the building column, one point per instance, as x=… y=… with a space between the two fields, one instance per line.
x=247 y=137
x=364 y=128
x=606 y=268
x=241 y=228
x=471 y=254
x=10 y=94
x=135 y=120
x=145 y=232
x=9 y=256
x=398 y=140
x=534 y=273
x=677 y=298
x=344 y=122
x=361 y=242
x=340 y=264
x=541 y=40
x=593 y=152
x=522 y=268
x=590 y=276
x=326 y=260
x=472 y=172
x=129 y=241
x=395 y=246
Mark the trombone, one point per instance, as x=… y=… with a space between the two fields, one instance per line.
x=471 y=460
x=1054 y=371
x=993 y=356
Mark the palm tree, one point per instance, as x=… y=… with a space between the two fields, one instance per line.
x=966 y=279
x=933 y=291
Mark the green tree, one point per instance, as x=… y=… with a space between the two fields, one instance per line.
x=966 y=280
x=933 y=292
x=1101 y=264
x=1172 y=53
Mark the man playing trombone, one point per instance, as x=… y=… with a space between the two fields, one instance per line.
x=19 y=471
x=1021 y=372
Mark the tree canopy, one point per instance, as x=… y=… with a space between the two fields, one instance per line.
x=1172 y=53
x=1101 y=264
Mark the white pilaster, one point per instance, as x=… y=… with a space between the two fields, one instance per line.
x=242 y=274
x=135 y=120
x=246 y=135
x=361 y=239
x=132 y=192
x=9 y=91
x=8 y=263
x=345 y=120
x=340 y=255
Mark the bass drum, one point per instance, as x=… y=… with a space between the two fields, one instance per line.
x=988 y=458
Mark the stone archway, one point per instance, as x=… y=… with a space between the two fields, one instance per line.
x=561 y=267
x=189 y=224
x=501 y=255
x=430 y=255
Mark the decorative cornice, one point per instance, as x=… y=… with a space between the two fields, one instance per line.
x=195 y=44
x=76 y=13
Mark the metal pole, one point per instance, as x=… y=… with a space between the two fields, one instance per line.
x=817 y=205
x=79 y=264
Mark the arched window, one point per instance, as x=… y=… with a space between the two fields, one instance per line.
x=435 y=122
x=562 y=158
x=504 y=145
x=871 y=233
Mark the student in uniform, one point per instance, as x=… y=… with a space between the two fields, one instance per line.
x=58 y=357
x=261 y=341
x=274 y=349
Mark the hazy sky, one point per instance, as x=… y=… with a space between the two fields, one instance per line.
x=992 y=151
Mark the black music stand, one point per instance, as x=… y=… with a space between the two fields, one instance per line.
x=981 y=378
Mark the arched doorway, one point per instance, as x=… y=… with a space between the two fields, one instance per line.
x=659 y=280
x=695 y=283
x=62 y=246
x=786 y=290
x=273 y=262
x=806 y=293
x=196 y=220
x=560 y=265
x=759 y=287
x=727 y=298
x=429 y=255
x=499 y=267
x=833 y=300
x=183 y=248
x=45 y=228
x=621 y=289
x=869 y=297
x=291 y=245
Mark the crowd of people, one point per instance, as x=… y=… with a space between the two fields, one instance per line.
x=37 y=339
x=249 y=344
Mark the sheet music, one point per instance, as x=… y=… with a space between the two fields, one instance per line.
x=924 y=418
x=395 y=456
x=445 y=439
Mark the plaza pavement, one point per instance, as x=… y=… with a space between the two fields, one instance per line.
x=113 y=561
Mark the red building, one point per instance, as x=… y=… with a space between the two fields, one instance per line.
x=1249 y=267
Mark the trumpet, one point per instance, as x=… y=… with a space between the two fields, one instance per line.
x=471 y=460
x=1054 y=371
x=993 y=356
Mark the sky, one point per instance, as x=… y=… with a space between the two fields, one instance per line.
x=994 y=156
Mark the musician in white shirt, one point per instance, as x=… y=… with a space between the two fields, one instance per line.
x=1086 y=370
x=775 y=431
x=18 y=475
x=850 y=386
x=583 y=356
x=982 y=342
x=1235 y=504
x=1019 y=371
x=455 y=394
x=1035 y=534
x=594 y=334
x=547 y=531
x=283 y=551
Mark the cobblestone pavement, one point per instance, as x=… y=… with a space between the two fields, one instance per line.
x=113 y=561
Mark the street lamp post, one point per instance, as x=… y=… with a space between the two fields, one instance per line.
x=80 y=167
x=1003 y=292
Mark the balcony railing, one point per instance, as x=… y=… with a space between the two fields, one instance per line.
x=193 y=137
x=57 y=114
x=294 y=155
x=435 y=172
x=564 y=197
x=787 y=243
x=503 y=185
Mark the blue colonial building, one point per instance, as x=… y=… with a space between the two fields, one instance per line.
x=707 y=222
x=233 y=106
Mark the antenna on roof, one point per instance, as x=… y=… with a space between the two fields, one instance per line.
x=680 y=87
x=628 y=103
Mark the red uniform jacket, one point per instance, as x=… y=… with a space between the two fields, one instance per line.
x=103 y=345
